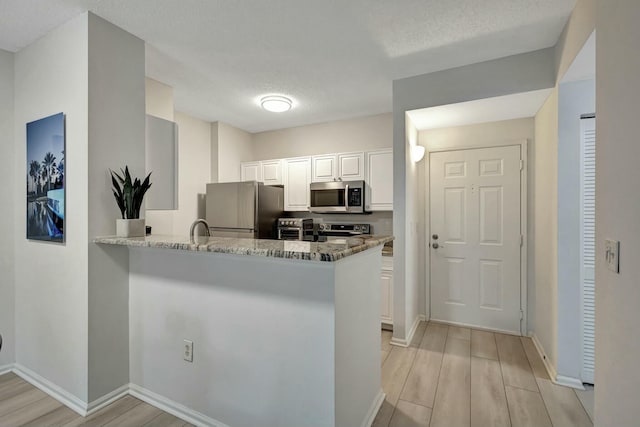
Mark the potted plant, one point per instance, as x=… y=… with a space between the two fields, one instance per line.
x=129 y=194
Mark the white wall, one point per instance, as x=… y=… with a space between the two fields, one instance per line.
x=116 y=138
x=7 y=225
x=234 y=146
x=51 y=76
x=617 y=212
x=359 y=134
x=514 y=74
x=574 y=99
x=545 y=157
x=545 y=224
x=484 y=135
x=194 y=162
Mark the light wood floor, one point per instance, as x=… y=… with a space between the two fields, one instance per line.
x=452 y=376
x=21 y=404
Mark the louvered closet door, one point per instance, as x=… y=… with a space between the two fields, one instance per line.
x=588 y=184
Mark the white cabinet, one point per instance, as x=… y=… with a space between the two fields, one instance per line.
x=351 y=166
x=297 y=177
x=324 y=168
x=342 y=167
x=379 y=180
x=386 y=288
x=271 y=172
x=250 y=171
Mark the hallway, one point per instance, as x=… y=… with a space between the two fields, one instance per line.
x=453 y=376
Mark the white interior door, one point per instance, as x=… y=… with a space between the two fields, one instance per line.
x=476 y=237
x=588 y=243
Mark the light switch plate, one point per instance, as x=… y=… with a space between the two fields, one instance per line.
x=612 y=255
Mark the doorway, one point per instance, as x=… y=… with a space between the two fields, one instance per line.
x=476 y=237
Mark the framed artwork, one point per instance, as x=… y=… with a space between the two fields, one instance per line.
x=45 y=179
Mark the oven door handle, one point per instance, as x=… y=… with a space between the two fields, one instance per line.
x=346 y=197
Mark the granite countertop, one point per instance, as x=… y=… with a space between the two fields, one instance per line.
x=326 y=251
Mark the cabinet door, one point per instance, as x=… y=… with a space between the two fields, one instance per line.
x=296 y=184
x=250 y=171
x=380 y=180
x=386 y=302
x=272 y=172
x=351 y=166
x=325 y=168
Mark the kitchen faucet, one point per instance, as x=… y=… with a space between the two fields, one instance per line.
x=193 y=228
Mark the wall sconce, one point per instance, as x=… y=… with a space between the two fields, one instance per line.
x=417 y=153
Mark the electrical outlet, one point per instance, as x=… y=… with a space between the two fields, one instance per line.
x=188 y=351
x=612 y=255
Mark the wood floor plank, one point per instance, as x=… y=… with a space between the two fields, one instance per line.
x=418 y=334
x=586 y=397
x=516 y=370
x=394 y=374
x=408 y=414
x=56 y=418
x=459 y=332
x=563 y=405
x=452 y=405
x=526 y=408
x=421 y=384
x=539 y=371
x=136 y=416
x=8 y=376
x=383 y=356
x=488 y=399
x=29 y=412
x=483 y=344
x=165 y=420
x=21 y=400
x=386 y=340
x=14 y=387
x=107 y=413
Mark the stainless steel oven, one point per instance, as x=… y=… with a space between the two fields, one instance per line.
x=295 y=229
x=341 y=232
x=337 y=197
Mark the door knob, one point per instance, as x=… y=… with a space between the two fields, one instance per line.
x=435 y=245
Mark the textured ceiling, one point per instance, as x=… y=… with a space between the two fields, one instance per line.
x=335 y=58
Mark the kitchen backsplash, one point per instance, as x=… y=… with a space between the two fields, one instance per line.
x=381 y=222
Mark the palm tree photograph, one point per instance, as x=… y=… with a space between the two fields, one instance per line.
x=45 y=178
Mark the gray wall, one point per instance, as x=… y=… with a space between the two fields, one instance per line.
x=617 y=212
x=7 y=324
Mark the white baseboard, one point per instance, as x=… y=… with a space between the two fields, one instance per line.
x=107 y=399
x=375 y=407
x=406 y=341
x=58 y=393
x=569 y=382
x=543 y=355
x=5 y=369
x=174 y=408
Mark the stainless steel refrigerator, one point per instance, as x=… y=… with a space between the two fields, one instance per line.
x=244 y=209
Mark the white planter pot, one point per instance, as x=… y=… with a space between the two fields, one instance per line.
x=130 y=228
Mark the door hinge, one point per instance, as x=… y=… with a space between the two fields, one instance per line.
x=521 y=164
x=521 y=314
x=521 y=240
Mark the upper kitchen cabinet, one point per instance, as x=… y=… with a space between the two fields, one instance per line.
x=297 y=177
x=251 y=171
x=324 y=168
x=271 y=172
x=161 y=158
x=379 y=180
x=351 y=166
x=338 y=167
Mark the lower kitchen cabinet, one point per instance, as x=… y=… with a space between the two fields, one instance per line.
x=386 y=287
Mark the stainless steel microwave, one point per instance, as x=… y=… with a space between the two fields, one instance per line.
x=337 y=197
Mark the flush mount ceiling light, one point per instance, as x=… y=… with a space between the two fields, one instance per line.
x=276 y=103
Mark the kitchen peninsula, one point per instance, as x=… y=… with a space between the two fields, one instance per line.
x=285 y=333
